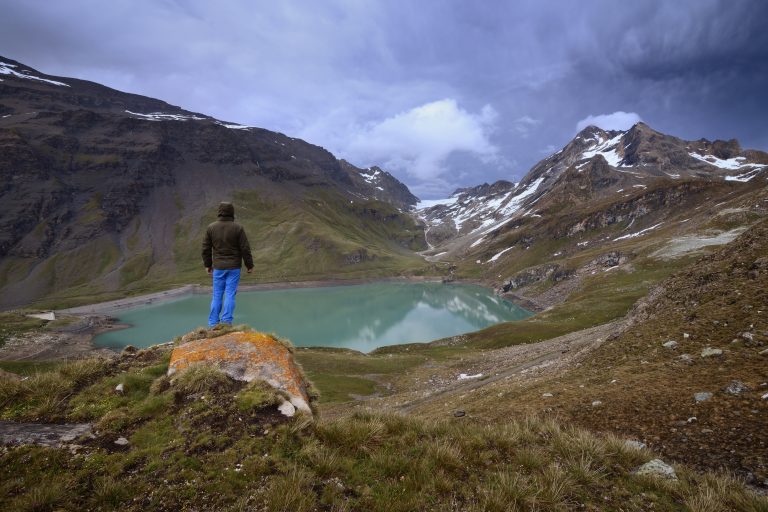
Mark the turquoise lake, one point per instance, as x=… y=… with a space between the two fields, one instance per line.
x=360 y=317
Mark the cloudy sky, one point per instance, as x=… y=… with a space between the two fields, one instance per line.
x=442 y=93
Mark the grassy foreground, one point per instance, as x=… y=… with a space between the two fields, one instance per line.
x=207 y=442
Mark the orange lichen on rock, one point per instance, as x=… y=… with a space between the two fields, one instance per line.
x=247 y=356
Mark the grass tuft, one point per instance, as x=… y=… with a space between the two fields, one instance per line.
x=257 y=395
x=202 y=378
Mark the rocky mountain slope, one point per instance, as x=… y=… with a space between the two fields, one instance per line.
x=106 y=191
x=603 y=199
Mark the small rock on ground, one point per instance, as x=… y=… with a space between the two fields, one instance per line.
x=736 y=387
x=711 y=352
x=658 y=468
x=669 y=344
x=638 y=445
x=121 y=441
x=702 y=396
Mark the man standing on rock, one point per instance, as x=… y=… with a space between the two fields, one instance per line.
x=225 y=248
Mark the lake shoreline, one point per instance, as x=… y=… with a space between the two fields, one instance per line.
x=103 y=312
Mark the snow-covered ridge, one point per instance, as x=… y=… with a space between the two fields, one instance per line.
x=6 y=69
x=159 y=116
x=487 y=212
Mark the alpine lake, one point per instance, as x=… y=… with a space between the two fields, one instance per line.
x=359 y=317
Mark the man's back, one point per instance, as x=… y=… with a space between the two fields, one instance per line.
x=226 y=245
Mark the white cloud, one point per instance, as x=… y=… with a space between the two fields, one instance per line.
x=619 y=120
x=523 y=125
x=419 y=140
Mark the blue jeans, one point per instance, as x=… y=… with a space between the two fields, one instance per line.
x=224 y=286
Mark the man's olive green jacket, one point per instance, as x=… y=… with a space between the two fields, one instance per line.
x=225 y=245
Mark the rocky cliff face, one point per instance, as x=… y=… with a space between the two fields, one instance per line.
x=102 y=185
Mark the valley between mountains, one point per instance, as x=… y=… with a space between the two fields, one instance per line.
x=644 y=257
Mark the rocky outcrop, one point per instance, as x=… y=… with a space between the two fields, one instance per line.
x=608 y=260
x=626 y=211
x=533 y=275
x=556 y=273
x=248 y=356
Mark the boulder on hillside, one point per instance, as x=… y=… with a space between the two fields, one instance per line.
x=247 y=356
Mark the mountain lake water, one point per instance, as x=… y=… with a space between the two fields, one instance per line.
x=360 y=317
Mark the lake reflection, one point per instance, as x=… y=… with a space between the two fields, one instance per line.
x=360 y=317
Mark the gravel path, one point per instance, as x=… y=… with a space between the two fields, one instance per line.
x=433 y=382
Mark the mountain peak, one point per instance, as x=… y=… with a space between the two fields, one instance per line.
x=589 y=131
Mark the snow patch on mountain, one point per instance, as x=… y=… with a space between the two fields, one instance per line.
x=747 y=175
x=5 y=69
x=499 y=254
x=233 y=126
x=730 y=163
x=517 y=198
x=639 y=233
x=429 y=203
x=160 y=116
x=370 y=175
x=606 y=148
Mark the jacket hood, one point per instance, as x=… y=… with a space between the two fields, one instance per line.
x=226 y=210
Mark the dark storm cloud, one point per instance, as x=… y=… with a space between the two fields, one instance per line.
x=444 y=93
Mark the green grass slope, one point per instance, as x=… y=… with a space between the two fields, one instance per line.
x=314 y=234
